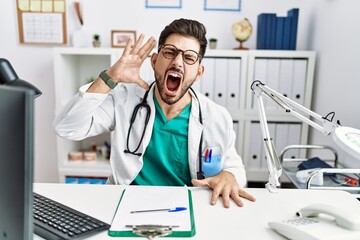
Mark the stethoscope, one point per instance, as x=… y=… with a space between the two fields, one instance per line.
x=144 y=104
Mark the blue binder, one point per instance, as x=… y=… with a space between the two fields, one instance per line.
x=294 y=14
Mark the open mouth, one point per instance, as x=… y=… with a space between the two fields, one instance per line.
x=173 y=81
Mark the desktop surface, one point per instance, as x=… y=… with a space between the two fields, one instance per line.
x=212 y=222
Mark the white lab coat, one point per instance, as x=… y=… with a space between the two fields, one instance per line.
x=90 y=114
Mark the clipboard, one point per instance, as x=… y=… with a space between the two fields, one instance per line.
x=162 y=223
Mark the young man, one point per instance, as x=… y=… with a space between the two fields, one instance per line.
x=171 y=129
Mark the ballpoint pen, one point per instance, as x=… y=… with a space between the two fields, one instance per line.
x=176 y=209
x=210 y=154
x=206 y=155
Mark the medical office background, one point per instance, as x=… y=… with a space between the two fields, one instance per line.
x=328 y=27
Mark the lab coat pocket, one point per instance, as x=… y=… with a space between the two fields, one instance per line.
x=211 y=160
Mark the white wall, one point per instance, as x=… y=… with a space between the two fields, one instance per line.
x=319 y=20
x=336 y=38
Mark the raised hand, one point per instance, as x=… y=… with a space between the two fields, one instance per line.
x=127 y=68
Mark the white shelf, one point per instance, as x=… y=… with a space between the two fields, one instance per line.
x=226 y=72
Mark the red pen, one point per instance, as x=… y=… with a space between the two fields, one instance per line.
x=206 y=155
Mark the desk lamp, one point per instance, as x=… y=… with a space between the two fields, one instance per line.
x=9 y=77
x=345 y=137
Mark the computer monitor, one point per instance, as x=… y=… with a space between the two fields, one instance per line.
x=16 y=162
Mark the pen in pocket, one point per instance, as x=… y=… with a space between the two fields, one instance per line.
x=206 y=155
x=210 y=155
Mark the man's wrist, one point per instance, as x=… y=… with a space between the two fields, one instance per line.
x=107 y=79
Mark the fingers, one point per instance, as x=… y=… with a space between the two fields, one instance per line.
x=137 y=49
x=246 y=195
x=137 y=44
x=200 y=183
x=146 y=49
x=127 y=49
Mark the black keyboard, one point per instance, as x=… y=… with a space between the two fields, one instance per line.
x=55 y=221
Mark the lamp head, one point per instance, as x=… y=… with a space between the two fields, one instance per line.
x=9 y=77
x=348 y=139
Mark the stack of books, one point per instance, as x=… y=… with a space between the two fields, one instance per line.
x=277 y=33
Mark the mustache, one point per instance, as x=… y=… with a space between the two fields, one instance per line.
x=175 y=70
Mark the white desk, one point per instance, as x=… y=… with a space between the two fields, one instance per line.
x=212 y=222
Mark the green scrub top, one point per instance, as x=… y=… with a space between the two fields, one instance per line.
x=166 y=157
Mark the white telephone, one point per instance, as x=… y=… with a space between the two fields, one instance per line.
x=319 y=221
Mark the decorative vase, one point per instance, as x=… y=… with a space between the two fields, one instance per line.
x=96 y=44
x=212 y=44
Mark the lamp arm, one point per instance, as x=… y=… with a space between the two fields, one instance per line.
x=327 y=126
x=273 y=163
x=272 y=158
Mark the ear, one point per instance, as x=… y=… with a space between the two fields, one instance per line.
x=153 y=60
x=200 y=72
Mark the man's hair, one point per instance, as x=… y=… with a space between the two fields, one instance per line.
x=187 y=28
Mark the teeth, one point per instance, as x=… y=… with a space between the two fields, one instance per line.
x=174 y=75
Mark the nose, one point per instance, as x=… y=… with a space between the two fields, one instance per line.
x=178 y=60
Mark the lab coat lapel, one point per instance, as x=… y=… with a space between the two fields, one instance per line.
x=194 y=136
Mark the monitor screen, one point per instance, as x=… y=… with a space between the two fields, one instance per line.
x=16 y=162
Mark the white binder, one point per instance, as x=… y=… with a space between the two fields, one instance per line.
x=208 y=78
x=255 y=148
x=233 y=86
x=272 y=78
x=286 y=77
x=299 y=80
x=221 y=81
x=260 y=73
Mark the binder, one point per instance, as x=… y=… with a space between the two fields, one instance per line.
x=140 y=198
x=287 y=33
x=272 y=79
x=294 y=14
x=260 y=73
x=208 y=78
x=280 y=21
x=261 y=31
x=221 y=76
x=233 y=86
x=299 y=80
x=286 y=77
x=256 y=147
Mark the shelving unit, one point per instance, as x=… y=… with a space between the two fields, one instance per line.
x=227 y=80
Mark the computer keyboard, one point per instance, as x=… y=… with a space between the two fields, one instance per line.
x=55 y=221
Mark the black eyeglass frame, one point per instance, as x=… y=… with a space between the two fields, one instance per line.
x=179 y=51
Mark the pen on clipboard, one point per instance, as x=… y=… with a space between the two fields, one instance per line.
x=176 y=209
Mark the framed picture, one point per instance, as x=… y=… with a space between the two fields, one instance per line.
x=163 y=3
x=119 y=38
x=222 y=5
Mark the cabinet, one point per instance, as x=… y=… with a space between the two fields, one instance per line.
x=226 y=80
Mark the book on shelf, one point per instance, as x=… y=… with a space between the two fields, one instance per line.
x=294 y=14
x=277 y=32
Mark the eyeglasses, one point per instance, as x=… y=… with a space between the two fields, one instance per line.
x=169 y=51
